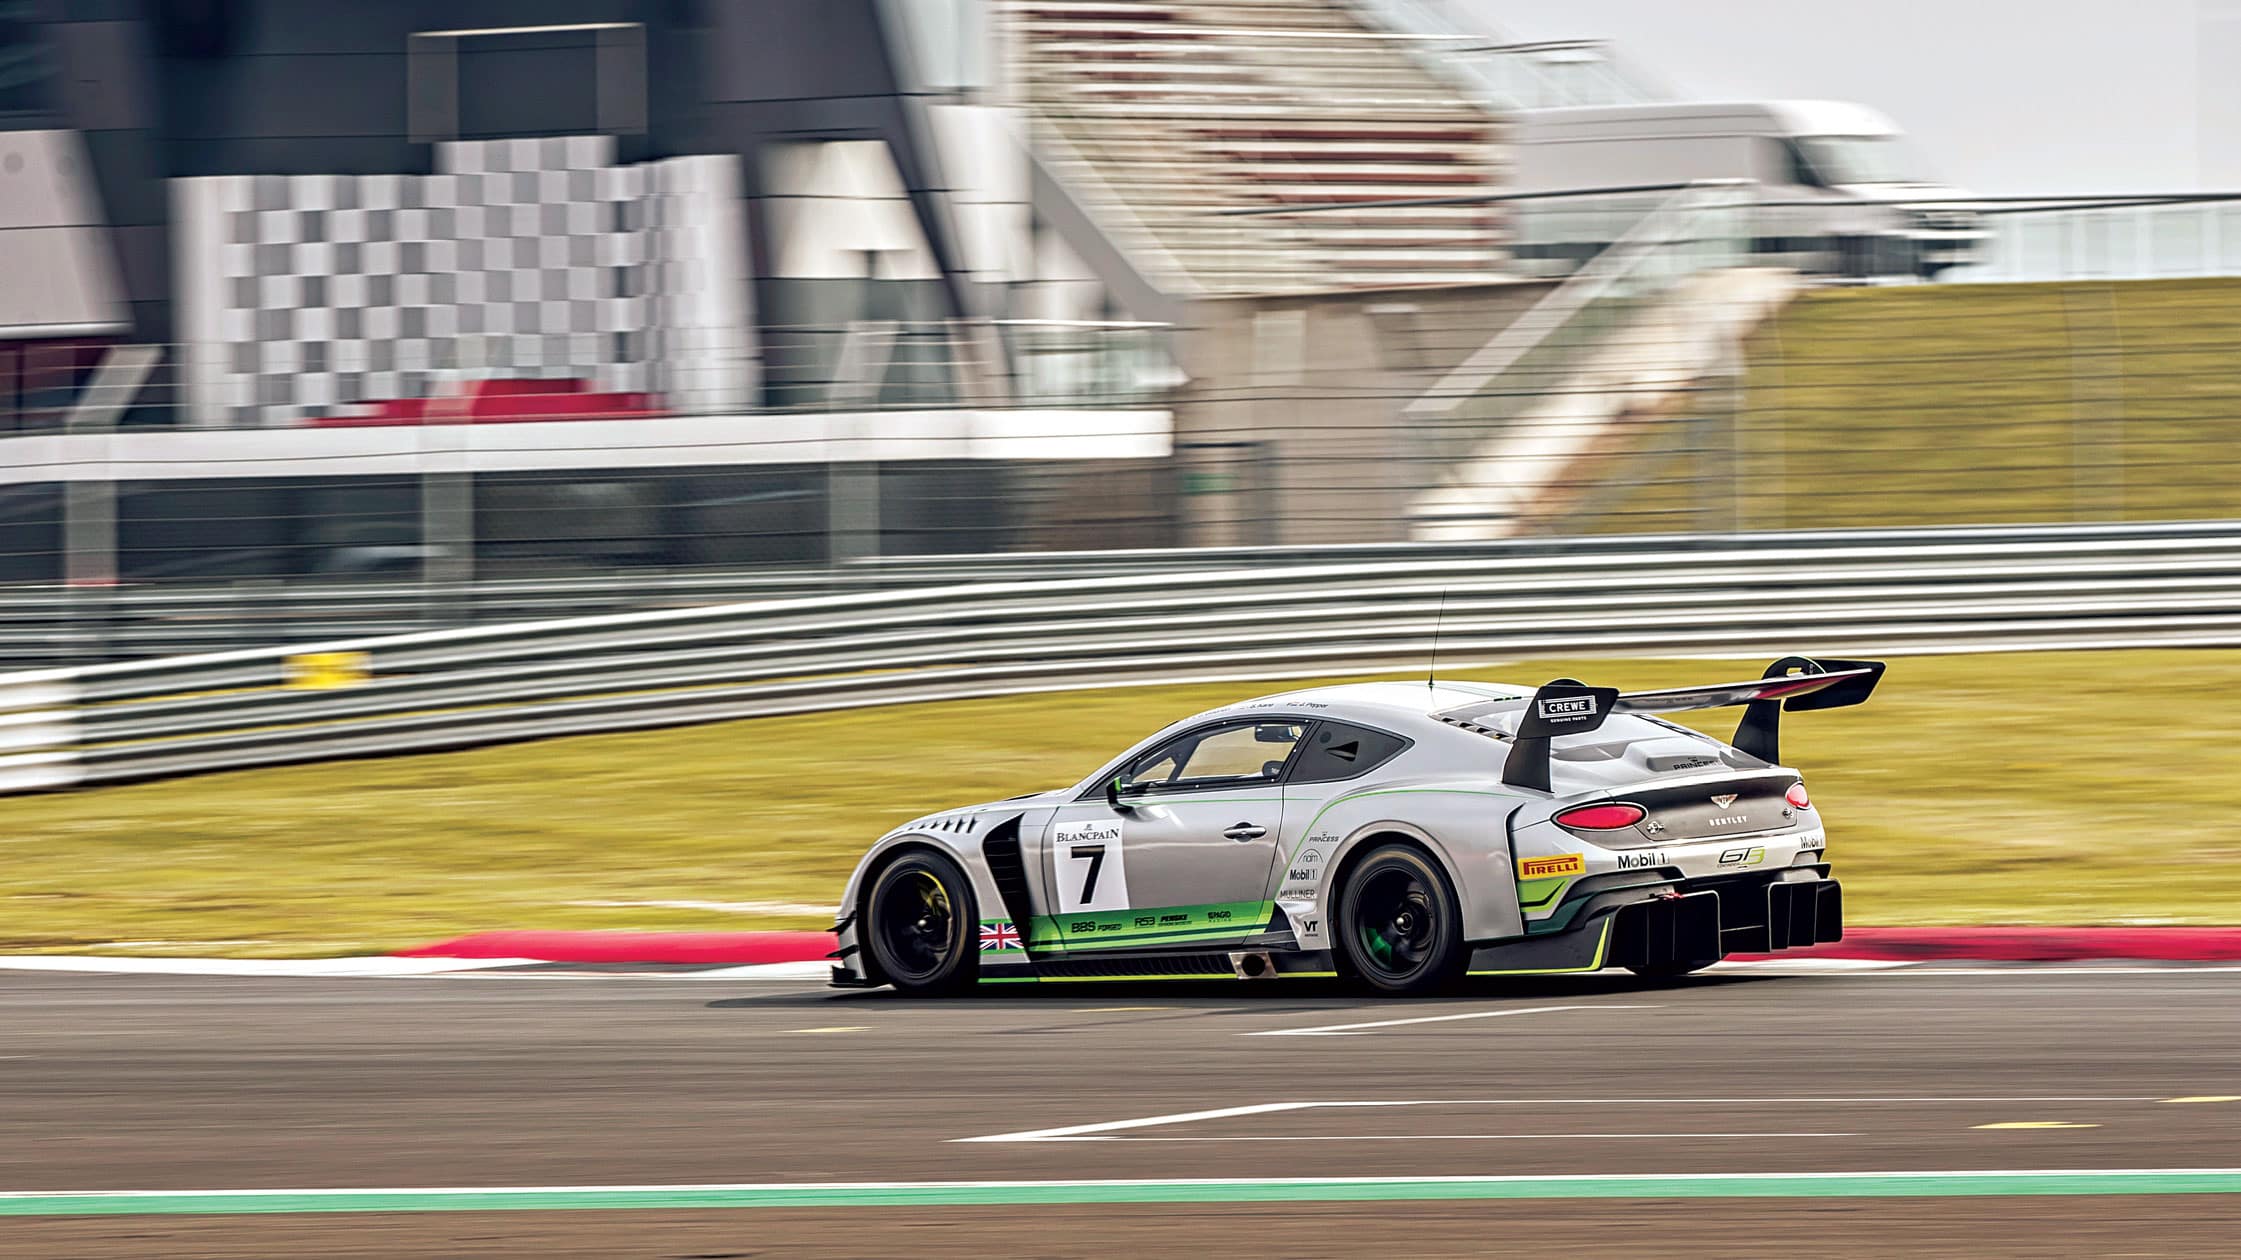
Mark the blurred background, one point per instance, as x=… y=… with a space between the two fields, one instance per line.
x=328 y=319
x=654 y=361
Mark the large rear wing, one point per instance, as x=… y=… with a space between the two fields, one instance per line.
x=1567 y=706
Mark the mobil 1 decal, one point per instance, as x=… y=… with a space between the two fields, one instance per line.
x=1092 y=872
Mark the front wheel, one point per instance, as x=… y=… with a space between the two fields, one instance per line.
x=920 y=924
x=1400 y=930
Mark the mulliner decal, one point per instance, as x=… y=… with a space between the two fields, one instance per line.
x=1092 y=870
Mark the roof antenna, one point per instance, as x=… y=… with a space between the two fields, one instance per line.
x=1432 y=673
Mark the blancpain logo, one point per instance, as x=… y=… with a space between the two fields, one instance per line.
x=1722 y=802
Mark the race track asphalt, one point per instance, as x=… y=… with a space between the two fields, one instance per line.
x=557 y=1085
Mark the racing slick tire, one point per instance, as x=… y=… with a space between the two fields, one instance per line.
x=1400 y=928
x=920 y=925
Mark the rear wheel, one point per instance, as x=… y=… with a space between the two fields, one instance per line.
x=1399 y=927
x=920 y=924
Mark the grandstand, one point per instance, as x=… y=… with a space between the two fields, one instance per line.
x=1170 y=112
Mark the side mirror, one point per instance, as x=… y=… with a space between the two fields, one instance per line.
x=1118 y=797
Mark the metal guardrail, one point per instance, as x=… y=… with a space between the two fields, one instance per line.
x=53 y=626
x=1910 y=591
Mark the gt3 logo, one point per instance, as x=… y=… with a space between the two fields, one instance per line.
x=1743 y=857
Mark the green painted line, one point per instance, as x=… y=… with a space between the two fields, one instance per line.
x=1187 y=975
x=1536 y=894
x=1873 y=1185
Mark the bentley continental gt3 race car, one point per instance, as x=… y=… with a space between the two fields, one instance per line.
x=1397 y=834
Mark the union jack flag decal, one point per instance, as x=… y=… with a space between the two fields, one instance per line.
x=1000 y=935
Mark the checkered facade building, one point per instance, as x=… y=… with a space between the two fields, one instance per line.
x=541 y=258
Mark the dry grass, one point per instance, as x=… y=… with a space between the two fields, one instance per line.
x=2057 y=788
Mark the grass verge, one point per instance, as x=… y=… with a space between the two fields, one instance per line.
x=2026 y=788
x=1961 y=404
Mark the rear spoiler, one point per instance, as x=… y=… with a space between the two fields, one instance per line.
x=1570 y=707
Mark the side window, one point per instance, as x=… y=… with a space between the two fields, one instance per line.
x=1240 y=753
x=1796 y=167
x=1339 y=750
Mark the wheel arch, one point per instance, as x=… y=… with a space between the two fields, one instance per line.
x=888 y=853
x=885 y=853
x=1479 y=873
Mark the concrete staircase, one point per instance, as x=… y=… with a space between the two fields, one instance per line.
x=1530 y=472
x=1162 y=113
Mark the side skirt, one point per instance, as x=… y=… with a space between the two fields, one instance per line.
x=1142 y=966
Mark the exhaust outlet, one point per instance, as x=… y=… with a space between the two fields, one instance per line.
x=1252 y=966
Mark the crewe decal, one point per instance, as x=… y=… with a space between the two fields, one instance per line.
x=1545 y=867
x=1092 y=869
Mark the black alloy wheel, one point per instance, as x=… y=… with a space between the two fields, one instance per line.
x=1400 y=929
x=920 y=924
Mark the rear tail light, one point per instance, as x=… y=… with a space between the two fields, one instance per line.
x=1600 y=817
x=1797 y=797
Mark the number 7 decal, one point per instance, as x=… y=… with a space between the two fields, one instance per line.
x=1096 y=855
x=1091 y=865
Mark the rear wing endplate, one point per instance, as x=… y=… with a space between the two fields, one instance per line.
x=1570 y=707
x=1566 y=706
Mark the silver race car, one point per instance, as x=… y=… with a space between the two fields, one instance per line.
x=1396 y=834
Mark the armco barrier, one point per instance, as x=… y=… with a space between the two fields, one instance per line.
x=994 y=634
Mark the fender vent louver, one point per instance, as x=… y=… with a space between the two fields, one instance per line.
x=1000 y=849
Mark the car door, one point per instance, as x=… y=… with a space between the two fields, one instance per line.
x=1185 y=858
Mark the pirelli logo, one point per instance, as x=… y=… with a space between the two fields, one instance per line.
x=1549 y=867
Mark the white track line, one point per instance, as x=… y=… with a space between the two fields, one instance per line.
x=1086 y=1132
x=1180 y=1117
x=1349 y=1030
x=1444 y=1137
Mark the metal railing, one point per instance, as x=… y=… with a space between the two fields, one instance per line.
x=1870 y=591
